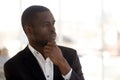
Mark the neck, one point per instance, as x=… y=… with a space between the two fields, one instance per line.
x=39 y=49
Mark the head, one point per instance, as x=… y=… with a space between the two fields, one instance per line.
x=38 y=25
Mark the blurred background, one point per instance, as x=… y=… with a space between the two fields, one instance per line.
x=92 y=27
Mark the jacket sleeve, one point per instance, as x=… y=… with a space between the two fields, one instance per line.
x=77 y=73
x=9 y=72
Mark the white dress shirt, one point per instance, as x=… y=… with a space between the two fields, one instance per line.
x=47 y=65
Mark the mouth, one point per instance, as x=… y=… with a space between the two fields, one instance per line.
x=52 y=36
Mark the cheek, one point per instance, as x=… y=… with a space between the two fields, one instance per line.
x=44 y=32
x=42 y=35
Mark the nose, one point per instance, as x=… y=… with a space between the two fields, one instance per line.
x=52 y=28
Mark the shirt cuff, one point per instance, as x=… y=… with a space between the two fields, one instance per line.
x=68 y=75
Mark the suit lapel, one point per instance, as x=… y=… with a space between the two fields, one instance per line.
x=32 y=65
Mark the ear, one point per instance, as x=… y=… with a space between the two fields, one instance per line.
x=27 y=30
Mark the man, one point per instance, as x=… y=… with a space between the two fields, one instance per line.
x=42 y=59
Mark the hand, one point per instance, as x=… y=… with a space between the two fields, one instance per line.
x=52 y=51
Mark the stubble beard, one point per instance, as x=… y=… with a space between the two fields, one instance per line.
x=42 y=43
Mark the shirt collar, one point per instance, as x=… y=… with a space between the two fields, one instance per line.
x=35 y=52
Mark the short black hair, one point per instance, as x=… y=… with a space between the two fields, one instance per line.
x=30 y=13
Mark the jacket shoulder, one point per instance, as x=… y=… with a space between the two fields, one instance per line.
x=16 y=58
x=70 y=54
x=67 y=50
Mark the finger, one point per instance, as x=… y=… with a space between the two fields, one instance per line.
x=46 y=52
x=46 y=47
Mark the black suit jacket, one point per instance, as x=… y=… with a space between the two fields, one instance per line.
x=24 y=66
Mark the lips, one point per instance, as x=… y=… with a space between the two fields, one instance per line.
x=53 y=36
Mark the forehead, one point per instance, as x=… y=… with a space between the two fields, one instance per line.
x=44 y=16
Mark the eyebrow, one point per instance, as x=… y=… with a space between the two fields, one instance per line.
x=49 y=21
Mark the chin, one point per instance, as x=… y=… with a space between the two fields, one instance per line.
x=43 y=43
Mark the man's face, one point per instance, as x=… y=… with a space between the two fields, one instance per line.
x=43 y=29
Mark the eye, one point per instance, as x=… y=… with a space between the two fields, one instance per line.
x=46 y=24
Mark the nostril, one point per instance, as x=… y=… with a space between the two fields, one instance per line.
x=52 y=28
